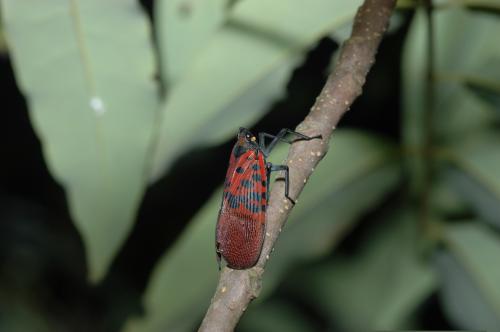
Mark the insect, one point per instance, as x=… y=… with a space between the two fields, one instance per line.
x=242 y=216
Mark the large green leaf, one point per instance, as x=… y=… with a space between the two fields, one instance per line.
x=377 y=290
x=184 y=28
x=86 y=69
x=185 y=279
x=241 y=70
x=475 y=174
x=470 y=274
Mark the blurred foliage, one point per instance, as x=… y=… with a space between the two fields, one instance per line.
x=399 y=281
x=134 y=106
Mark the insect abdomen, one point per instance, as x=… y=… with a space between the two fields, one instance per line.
x=239 y=240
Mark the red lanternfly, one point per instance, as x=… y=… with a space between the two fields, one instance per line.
x=242 y=216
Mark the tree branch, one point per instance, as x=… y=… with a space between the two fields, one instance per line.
x=237 y=288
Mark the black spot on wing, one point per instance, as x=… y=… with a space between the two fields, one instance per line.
x=239 y=170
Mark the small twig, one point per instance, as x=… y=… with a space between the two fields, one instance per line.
x=237 y=288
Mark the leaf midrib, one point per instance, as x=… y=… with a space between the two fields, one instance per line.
x=89 y=80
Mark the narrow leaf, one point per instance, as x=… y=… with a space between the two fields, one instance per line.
x=469 y=269
x=485 y=83
x=475 y=174
x=413 y=69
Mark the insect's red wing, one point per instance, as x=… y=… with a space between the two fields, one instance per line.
x=241 y=224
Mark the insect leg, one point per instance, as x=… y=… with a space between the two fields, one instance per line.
x=281 y=137
x=274 y=168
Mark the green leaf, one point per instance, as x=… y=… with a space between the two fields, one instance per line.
x=3 y=42
x=241 y=70
x=444 y=198
x=456 y=112
x=86 y=69
x=486 y=83
x=486 y=6
x=413 y=68
x=184 y=29
x=475 y=174
x=470 y=274
x=487 y=91
x=379 y=288
x=185 y=279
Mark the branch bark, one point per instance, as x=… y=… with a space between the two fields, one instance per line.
x=237 y=288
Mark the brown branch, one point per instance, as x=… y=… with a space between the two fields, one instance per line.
x=237 y=288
